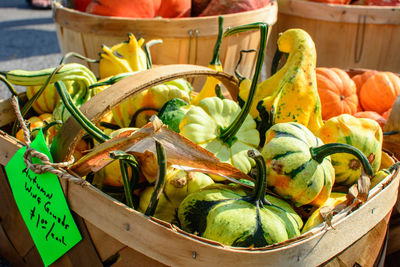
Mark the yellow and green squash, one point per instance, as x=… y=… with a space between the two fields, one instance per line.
x=231 y=216
x=299 y=166
x=364 y=134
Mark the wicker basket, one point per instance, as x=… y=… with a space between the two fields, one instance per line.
x=110 y=228
x=185 y=40
x=345 y=36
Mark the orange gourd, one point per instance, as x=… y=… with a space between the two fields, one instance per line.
x=379 y=92
x=125 y=8
x=337 y=92
x=38 y=122
x=371 y=115
x=361 y=78
x=387 y=113
x=140 y=8
x=174 y=8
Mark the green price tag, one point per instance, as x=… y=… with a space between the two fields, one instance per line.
x=42 y=204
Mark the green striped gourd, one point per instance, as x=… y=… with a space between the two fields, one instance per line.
x=298 y=163
x=229 y=215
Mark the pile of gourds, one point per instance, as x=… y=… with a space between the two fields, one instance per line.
x=368 y=94
x=292 y=161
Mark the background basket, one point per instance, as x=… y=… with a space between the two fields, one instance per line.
x=185 y=40
x=345 y=36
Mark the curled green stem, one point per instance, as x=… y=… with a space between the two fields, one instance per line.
x=149 y=63
x=237 y=73
x=9 y=85
x=30 y=102
x=85 y=123
x=127 y=161
x=76 y=55
x=159 y=186
x=321 y=152
x=228 y=134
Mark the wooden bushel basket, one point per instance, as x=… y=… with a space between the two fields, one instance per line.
x=185 y=40
x=346 y=36
x=110 y=228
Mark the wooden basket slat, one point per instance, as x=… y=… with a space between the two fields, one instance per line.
x=366 y=253
x=12 y=221
x=84 y=252
x=32 y=259
x=106 y=246
x=130 y=257
x=7 y=248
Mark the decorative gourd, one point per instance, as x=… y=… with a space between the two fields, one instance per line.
x=221 y=126
x=337 y=92
x=172 y=113
x=111 y=174
x=174 y=8
x=127 y=56
x=381 y=174
x=208 y=89
x=315 y=218
x=371 y=115
x=291 y=93
x=360 y=79
x=178 y=184
x=136 y=110
x=364 y=134
x=37 y=122
x=124 y=8
x=299 y=165
x=379 y=92
x=226 y=214
x=48 y=100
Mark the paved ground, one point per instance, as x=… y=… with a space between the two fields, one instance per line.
x=28 y=39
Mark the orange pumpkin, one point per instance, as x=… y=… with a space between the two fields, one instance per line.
x=337 y=92
x=174 y=8
x=124 y=8
x=387 y=113
x=360 y=79
x=371 y=115
x=379 y=92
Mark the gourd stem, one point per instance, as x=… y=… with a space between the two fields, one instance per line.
x=239 y=76
x=319 y=153
x=261 y=175
x=394 y=167
x=136 y=114
x=30 y=102
x=218 y=92
x=228 y=134
x=126 y=160
x=112 y=79
x=108 y=125
x=159 y=186
x=217 y=47
x=275 y=61
x=73 y=54
x=149 y=63
x=9 y=85
x=86 y=124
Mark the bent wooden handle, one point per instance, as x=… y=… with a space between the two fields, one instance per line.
x=71 y=132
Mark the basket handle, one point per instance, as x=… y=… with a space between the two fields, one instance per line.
x=71 y=132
